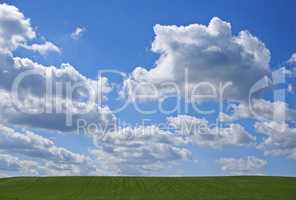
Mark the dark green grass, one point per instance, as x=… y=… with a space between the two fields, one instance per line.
x=152 y=188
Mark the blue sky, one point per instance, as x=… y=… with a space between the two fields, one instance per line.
x=113 y=26
x=124 y=36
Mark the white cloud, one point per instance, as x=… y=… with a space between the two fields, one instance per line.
x=210 y=54
x=290 y=88
x=150 y=149
x=44 y=48
x=292 y=58
x=261 y=109
x=243 y=166
x=200 y=132
x=139 y=150
x=78 y=33
x=223 y=117
x=24 y=147
x=279 y=140
x=65 y=169
x=10 y=163
x=16 y=31
x=43 y=157
x=15 y=28
x=33 y=145
x=32 y=97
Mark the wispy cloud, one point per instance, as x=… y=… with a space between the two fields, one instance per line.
x=78 y=33
x=44 y=48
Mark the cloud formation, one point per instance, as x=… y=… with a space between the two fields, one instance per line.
x=292 y=58
x=279 y=140
x=43 y=157
x=139 y=150
x=16 y=30
x=145 y=150
x=30 y=104
x=188 y=55
x=200 y=132
x=211 y=54
x=46 y=87
x=33 y=145
x=9 y=163
x=78 y=33
x=260 y=109
x=249 y=165
x=44 y=48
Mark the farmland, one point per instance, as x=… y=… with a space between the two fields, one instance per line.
x=95 y=188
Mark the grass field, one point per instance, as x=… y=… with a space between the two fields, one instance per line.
x=95 y=188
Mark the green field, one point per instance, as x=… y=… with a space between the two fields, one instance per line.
x=152 y=188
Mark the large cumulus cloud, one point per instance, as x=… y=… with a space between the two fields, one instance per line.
x=30 y=103
x=210 y=54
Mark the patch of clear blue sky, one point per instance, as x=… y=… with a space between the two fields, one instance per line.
x=119 y=35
